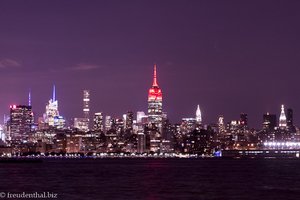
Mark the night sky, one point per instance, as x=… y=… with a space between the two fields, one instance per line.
x=228 y=56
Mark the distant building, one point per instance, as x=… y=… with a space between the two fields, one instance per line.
x=269 y=121
x=198 y=115
x=21 y=121
x=81 y=124
x=86 y=106
x=187 y=125
x=282 y=118
x=139 y=116
x=221 y=124
x=98 y=122
x=243 y=120
x=141 y=142
x=129 y=120
x=51 y=116
x=108 y=123
x=155 y=103
x=289 y=118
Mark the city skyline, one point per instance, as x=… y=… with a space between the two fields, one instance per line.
x=227 y=57
x=152 y=95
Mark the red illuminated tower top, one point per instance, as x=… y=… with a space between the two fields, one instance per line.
x=155 y=92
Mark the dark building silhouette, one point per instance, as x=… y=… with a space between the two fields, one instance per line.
x=269 y=121
x=289 y=118
x=244 y=119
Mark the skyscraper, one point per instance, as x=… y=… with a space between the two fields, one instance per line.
x=82 y=124
x=198 y=115
x=86 y=104
x=21 y=121
x=129 y=121
x=289 y=118
x=244 y=120
x=269 y=121
x=282 y=118
x=155 y=103
x=221 y=124
x=98 y=122
x=141 y=142
x=51 y=116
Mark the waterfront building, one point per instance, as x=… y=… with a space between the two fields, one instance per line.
x=141 y=142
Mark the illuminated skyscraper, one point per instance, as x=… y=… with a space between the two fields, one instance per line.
x=98 y=122
x=82 y=124
x=52 y=117
x=155 y=103
x=139 y=117
x=108 y=123
x=86 y=104
x=198 y=115
x=282 y=118
x=129 y=121
x=21 y=121
x=221 y=124
x=51 y=109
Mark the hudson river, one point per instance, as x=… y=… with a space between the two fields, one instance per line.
x=151 y=179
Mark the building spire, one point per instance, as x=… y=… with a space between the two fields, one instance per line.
x=198 y=115
x=54 y=93
x=282 y=118
x=29 y=98
x=154 y=77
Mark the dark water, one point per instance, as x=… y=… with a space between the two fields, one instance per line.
x=156 y=178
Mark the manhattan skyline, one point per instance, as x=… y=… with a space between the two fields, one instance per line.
x=228 y=58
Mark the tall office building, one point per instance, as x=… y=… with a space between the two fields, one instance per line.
x=86 y=107
x=198 y=115
x=98 y=122
x=155 y=103
x=243 y=119
x=21 y=121
x=86 y=104
x=129 y=120
x=51 y=116
x=188 y=125
x=139 y=117
x=269 y=121
x=282 y=118
x=82 y=124
x=108 y=123
x=141 y=142
x=221 y=124
x=289 y=118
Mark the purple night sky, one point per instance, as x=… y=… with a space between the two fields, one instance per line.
x=228 y=56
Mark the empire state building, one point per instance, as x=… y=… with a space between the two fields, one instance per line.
x=155 y=103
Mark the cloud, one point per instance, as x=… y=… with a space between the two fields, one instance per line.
x=84 y=67
x=9 y=63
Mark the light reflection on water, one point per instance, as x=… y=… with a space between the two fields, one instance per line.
x=156 y=178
